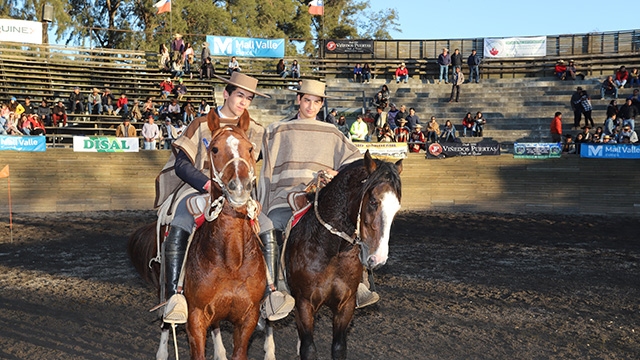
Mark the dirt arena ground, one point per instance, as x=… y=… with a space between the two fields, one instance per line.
x=457 y=286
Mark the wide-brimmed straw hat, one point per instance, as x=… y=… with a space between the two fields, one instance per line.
x=418 y=126
x=312 y=87
x=177 y=35
x=402 y=121
x=244 y=82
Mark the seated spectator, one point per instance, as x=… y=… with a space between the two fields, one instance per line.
x=586 y=134
x=44 y=111
x=126 y=129
x=391 y=116
x=612 y=108
x=37 y=124
x=281 y=69
x=385 y=134
x=180 y=128
x=59 y=114
x=180 y=90
x=467 y=125
x=412 y=119
x=343 y=127
x=378 y=120
x=11 y=125
x=401 y=114
x=359 y=130
x=571 y=71
x=25 y=125
x=168 y=134
x=95 y=102
x=595 y=138
x=448 y=133
x=608 y=140
x=608 y=87
x=366 y=74
x=622 y=76
x=331 y=117
x=135 y=114
x=295 y=70
x=122 y=105
x=402 y=132
x=4 y=111
x=29 y=109
x=599 y=132
x=357 y=73
x=15 y=107
x=3 y=124
x=76 y=101
x=166 y=88
x=204 y=108
x=402 y=73
x=176 y=68
x=633 y=78
x=108 y=101
x=433 y=130
x=188 y=112
x=382 y=97
x=628 y=113
x=174 y=110
x=417 y=139
x=149 y=108
x=478 y=124
x=579 y=140
x=635 y=98
x=569 y=146
x=206 y=70
x=627 y=135
x=233 y=66
x=561 y=69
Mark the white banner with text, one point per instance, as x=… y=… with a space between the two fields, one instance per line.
x=21 y=31
x=515 y=47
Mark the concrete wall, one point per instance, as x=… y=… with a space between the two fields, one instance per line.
x=60 y=180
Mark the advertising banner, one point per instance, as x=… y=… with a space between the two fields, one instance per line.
x=105 y=144
x=348 y=46
x=482 y=148
x=610 y=151
x=21 y=31
x=537 y=150
x=245 y=47
x=383 y=149
x=515 y=47
x=23 y=143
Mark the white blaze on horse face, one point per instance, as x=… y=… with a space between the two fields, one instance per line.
x=389 y=207
x=233 y=143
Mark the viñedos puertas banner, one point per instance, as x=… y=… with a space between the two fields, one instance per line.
x=515 y=47
x=348 y=46
x=21 y=31
x=245 y=47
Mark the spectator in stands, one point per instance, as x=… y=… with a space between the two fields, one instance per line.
x=37 y=124
x=180 y=128
x=122 y=105
x=433 y=130
x=331 y=117
x=136 y=113
x=3 y=124
x=76 y=101
x=108 y=100
x=149 y=108
x=168 y=134
x=28 y=106
x=188 y=112
x=608 y=140
x=474 y=66
x=343 y=127
x=150 y=133
x=467 y=125
x=402 y=132
x=560 y=69
x=15 y=107
x=11 y=125
x=628 y=113
x=204 y=55
x=44 y=111
x=598 y=134
x=417 y=139
x=571 y=71
x=586 y=133
x=59 y=114
x=370 y=120
x=204 y=108
x=402 y=114
x=556 y=127
x=622 y=76
x=612 y=108
x=4 y=111
x=456 y=59
x=385 y=134
x=478 y=124
x=180 y=90
x=166 y=88
x=412 y=119
x=95 y=102
x=448 y=133
x=206 y=70
x=458 y=79
x=585 y=104
x=176 y=68
x=444 y=60
x=578 y=142
x=610 y=124
x=382 y=97
x=233 y=66
x=25 y=125
x=188 y=58
x=402 y=73
x=357 y=73
x=633 y=78
x=366 y=73
x=627 y=135
x=281 y=69
x=569 y=146
x=126 y=129
x=379 y=119
x=635 y=98
x=164 y=58
x=295 y=70
x=177 y=47
x=391 y=116
x=577 y=109
x=608 y=87
x=359 y=130
x=174 y=110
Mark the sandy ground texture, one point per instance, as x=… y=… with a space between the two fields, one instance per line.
x=457 y=286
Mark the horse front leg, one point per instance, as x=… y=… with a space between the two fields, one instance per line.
x=269 y=344
x=219 y=352
x=242 y=331
x=163 y=351
x=197 y=332
x=341 y=319
x=304 y=314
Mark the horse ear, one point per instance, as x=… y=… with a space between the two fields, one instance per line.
x=369 y=164
x=244 y=121
x=399 y=166
x=213 y=121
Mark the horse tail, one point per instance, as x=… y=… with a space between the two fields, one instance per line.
x=142 y=249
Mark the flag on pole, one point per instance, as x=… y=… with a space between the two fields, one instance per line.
x=163 y=6
x=316 y=7
x=5 y=172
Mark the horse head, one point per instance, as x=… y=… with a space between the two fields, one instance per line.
x=232 y=166
x=380 y=201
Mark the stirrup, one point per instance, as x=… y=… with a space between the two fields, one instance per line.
x=365 y=297
x=176 y=311
x=277 y=305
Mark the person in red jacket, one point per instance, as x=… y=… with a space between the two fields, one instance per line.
x=402 y=73
x=556 y=128
x=560 y=69
x=622 y=75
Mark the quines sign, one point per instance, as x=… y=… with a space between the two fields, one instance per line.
x=20 y=31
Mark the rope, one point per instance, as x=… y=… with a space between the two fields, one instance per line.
x=353 y=240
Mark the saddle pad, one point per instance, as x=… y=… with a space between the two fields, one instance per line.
x=298 y=214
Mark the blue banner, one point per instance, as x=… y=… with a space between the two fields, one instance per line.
x=23 y=143
x=245 y=47
x=537 y=150
x=610 y=151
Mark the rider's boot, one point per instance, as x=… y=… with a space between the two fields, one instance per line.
x=364 y=296
x=175 y=246
x=277 y=304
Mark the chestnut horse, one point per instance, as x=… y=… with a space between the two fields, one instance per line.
x=348 y=228
x=225 y=272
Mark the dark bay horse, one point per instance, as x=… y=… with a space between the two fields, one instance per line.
x=225 y=272
x=324 y=268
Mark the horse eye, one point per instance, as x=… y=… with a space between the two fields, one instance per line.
x=251 y=149
x=373 y=203
x=214 y=150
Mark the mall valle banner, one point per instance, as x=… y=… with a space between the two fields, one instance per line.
x=21 y=31
x=610 y=151
x=23 y=143
x=515 y=47
x=245 y=47
x=348 y=46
